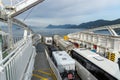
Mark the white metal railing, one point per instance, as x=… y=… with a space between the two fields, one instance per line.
x=30 y=67
x=104 y=41
x=19 y=62
x=16 y=39
x=53 y=67
x=101 y=44
x=16 y=42
x=24 y=5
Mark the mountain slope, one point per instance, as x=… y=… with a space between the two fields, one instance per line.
x=92 y=24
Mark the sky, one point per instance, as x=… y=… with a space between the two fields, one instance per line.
x=59 y=12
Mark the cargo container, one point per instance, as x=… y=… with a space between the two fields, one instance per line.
x=65 y=45
x=48 y=40
x=64 y=61
x=56 y=38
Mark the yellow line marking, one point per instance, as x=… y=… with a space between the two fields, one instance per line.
x=44 y=72
x=49 y=73
x=43 y=69
x=40 y=77
x=53 y=75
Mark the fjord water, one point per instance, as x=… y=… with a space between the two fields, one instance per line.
x=51 y=32
x=17 y=32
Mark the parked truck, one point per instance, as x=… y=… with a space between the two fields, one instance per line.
x=48 y=40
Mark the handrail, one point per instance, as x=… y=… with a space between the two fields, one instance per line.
x=19 y=62
x=55 y=70
x=13 y=52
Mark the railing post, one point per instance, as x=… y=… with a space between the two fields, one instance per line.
x=116 y=45
x=2 y=74
x=25 y=34
x=1 y=5
x=10 y=31
x=1 y=57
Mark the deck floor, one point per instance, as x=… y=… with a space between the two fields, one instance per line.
x=42 y=70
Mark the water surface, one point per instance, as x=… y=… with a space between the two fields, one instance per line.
x=51 y=32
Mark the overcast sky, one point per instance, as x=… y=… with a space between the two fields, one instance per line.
x=58 y=12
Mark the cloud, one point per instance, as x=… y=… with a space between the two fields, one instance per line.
x=66 y=8
x=70 y=11
x=43 y=22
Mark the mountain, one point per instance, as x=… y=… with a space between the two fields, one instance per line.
x=98 y=23
x=87 y=25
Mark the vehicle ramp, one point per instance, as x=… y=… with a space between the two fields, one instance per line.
x=42 y=70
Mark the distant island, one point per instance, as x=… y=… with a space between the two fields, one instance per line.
x=87 y=25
